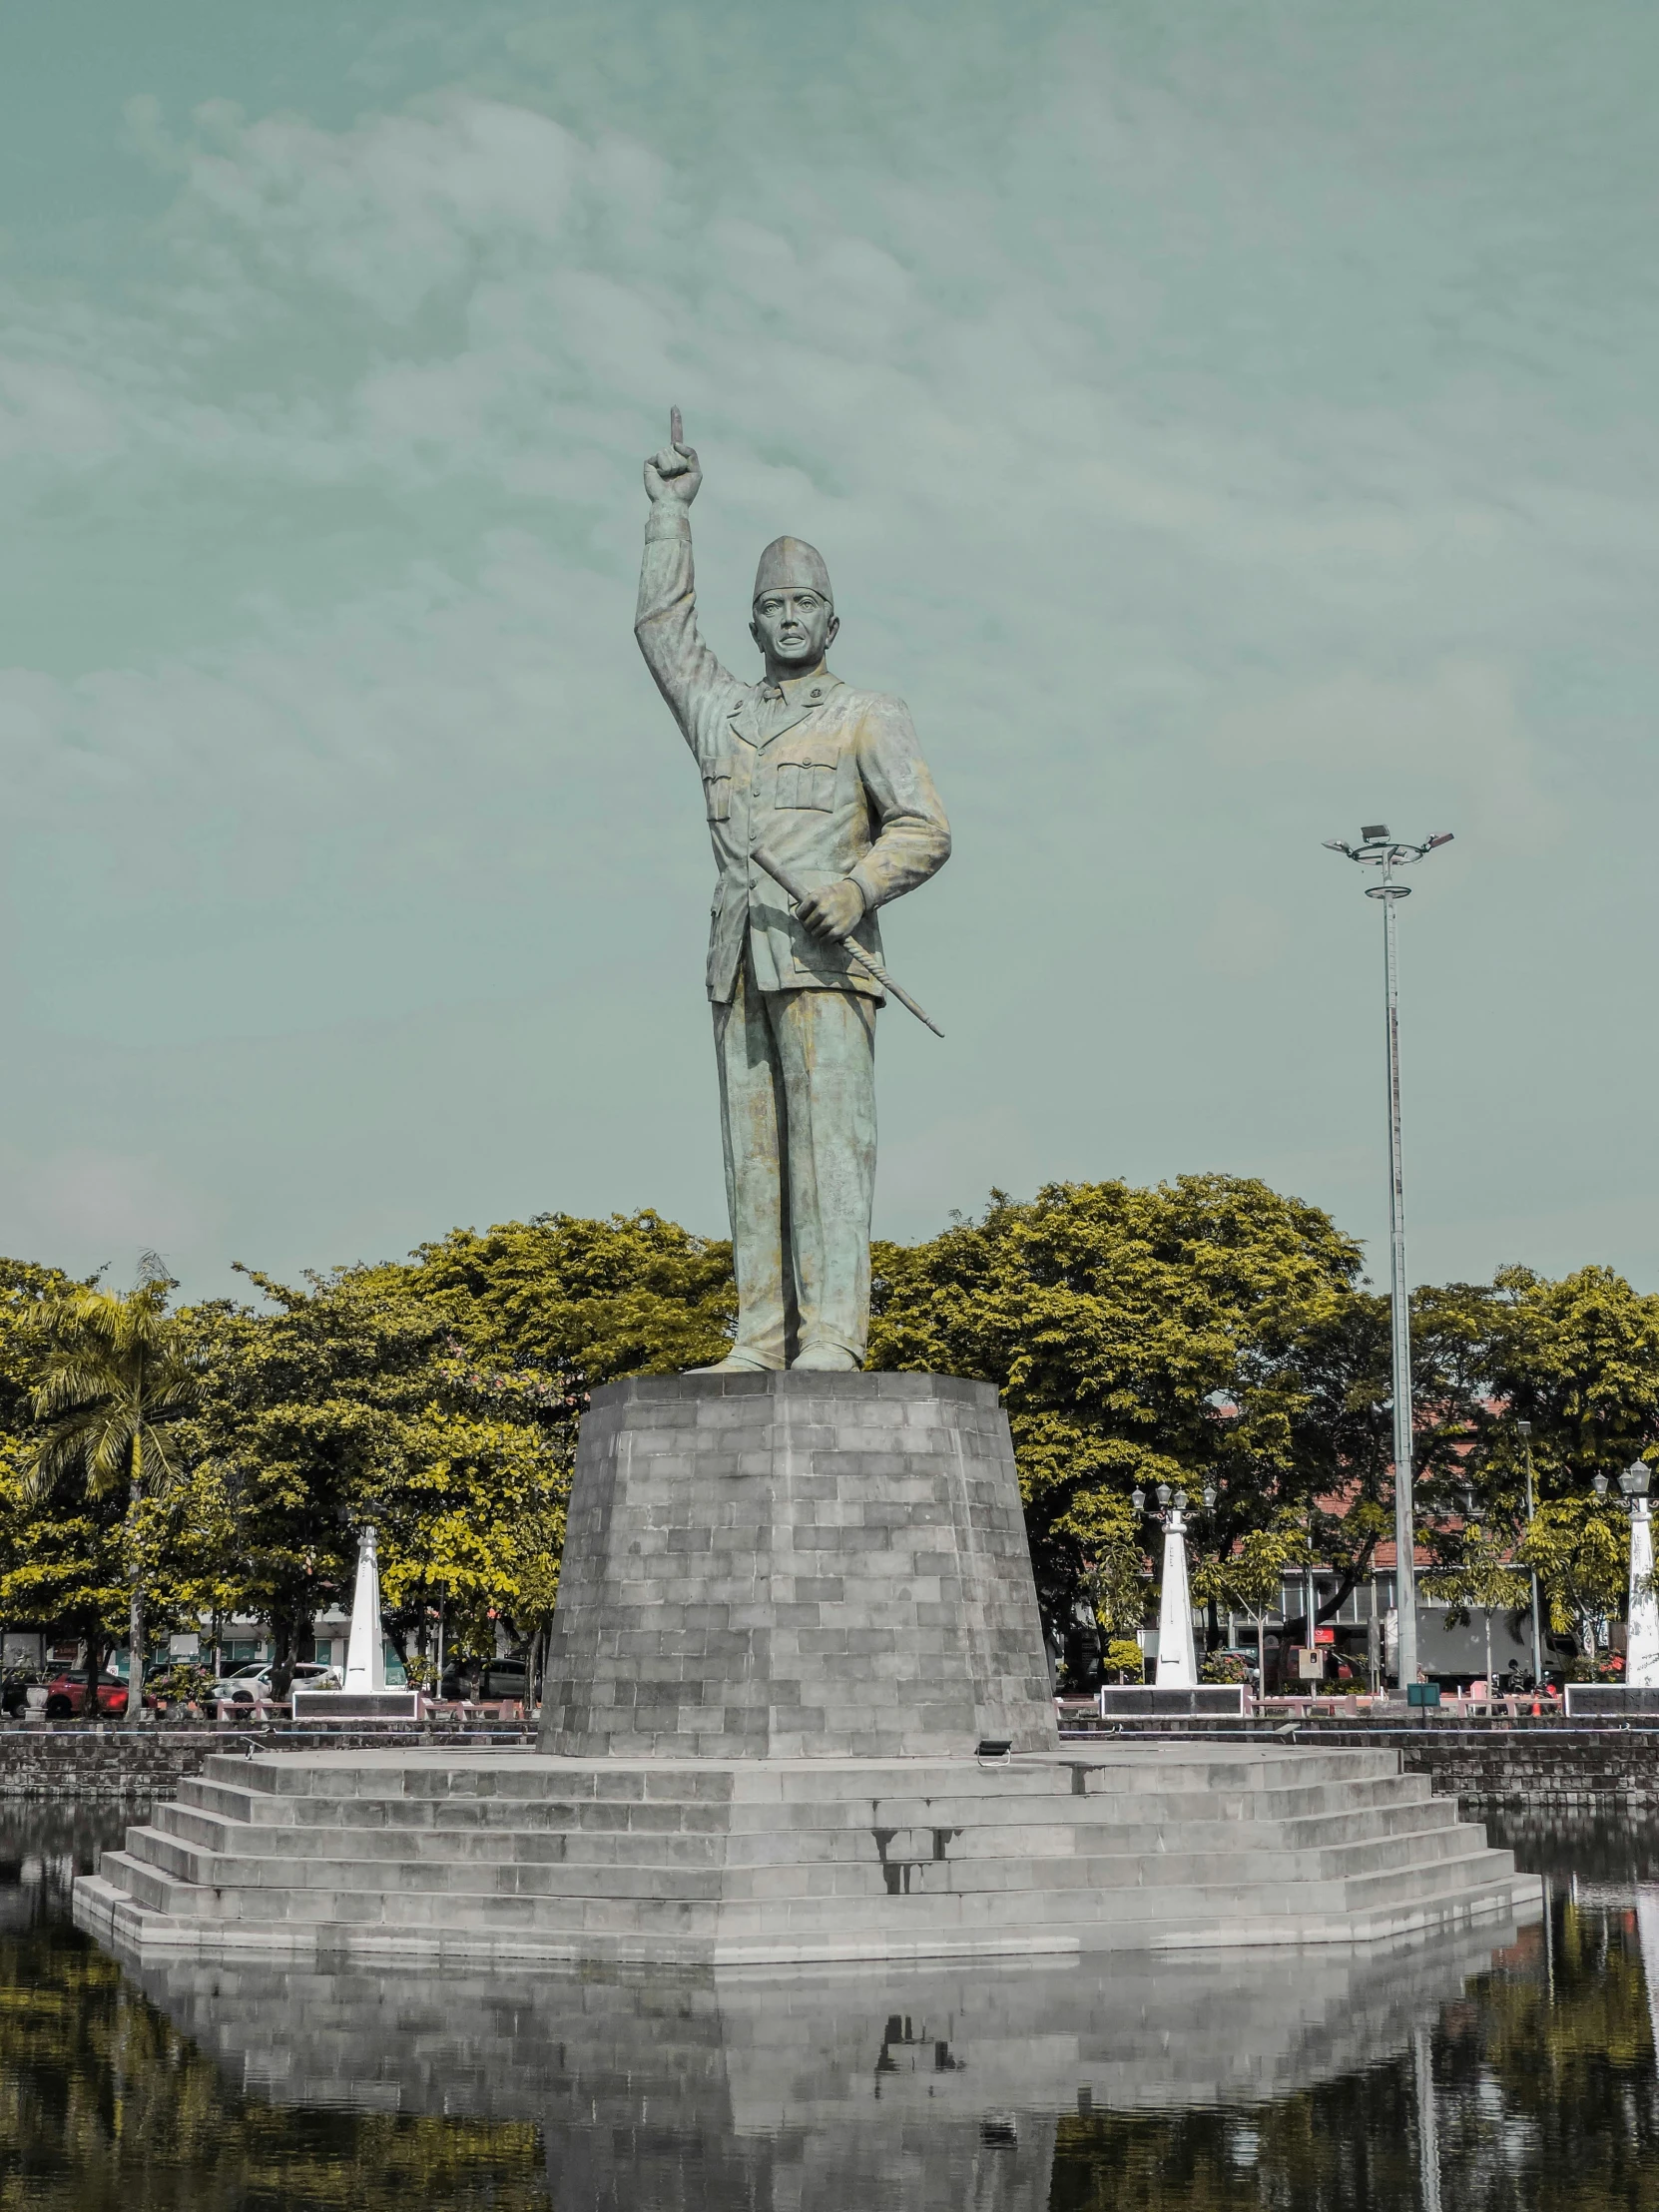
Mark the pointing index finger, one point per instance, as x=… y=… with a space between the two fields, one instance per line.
x=676 y=430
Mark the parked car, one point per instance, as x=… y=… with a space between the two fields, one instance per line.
x=65 y=1695
x=499 y=1678
x=251 y=1685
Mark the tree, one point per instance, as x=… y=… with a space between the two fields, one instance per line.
x=1580 y=1547
x=353 y=1401
x=1481 y=1573
x=117 y=1374
x=631 y=1295
x=1578 y=1357
x=1250 y=1578
x=1189 y=1331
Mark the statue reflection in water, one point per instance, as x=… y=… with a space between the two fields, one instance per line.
x=825 y=2089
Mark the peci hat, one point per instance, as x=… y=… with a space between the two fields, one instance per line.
x=790 y=564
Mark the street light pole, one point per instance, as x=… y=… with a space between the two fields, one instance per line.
x=1378 y=849
x=1525 y=1427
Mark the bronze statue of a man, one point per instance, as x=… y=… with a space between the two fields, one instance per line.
x=829 y=781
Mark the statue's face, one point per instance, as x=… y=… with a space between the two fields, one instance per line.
x=794 y=629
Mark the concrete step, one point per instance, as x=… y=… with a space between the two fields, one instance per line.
x=951 y=1806
x=451 y=1776
x=304 y=1842
x=643 y=1834
x=1066 y=1912
x=1380 y=1837
x=1388 y=1885
x=1385 y=1867
x=972 y=1930
x=506 y=1854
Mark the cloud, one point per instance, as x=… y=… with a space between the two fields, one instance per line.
x=1244 y=938
x=1456 y=724
x=84 y=1198
x=1195 y=475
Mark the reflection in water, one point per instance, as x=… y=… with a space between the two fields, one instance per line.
x=1429 y=2133
x=1313 y=2082
x=830 y=2088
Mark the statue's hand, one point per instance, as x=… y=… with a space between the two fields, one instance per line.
x=673 y=474
x=832 y=912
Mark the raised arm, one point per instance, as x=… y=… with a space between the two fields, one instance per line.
x=664 y=622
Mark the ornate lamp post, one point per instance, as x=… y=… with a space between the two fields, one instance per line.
x=1641 y=1651
x=1379 y=850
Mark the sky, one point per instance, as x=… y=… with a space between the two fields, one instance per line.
x=1227 y=424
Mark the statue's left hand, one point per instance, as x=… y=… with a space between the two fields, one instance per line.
x=832 y=912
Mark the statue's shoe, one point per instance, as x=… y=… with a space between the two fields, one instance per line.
x=823 y=1360
x=734 y=1362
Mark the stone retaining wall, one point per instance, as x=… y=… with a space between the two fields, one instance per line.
x=92 y=1761
x=1603 y=1771
x=1544 y=1766
x=1548 y=1765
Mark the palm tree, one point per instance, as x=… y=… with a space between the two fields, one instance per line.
x=116 y=1369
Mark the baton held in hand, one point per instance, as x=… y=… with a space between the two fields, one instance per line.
x=871 y=966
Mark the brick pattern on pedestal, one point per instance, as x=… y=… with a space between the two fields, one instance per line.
x=796 y=1566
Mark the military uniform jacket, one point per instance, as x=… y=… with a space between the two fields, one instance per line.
x=829 y=779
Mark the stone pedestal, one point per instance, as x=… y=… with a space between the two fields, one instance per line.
x=796 y=1566
x=793 y=1608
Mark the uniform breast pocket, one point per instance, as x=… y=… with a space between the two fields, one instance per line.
x=716 y=788
x=802 y=782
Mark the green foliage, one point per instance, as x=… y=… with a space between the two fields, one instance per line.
x=112 y=1373
x=1581 y=1549
x=60 y=1562
x=1208 y=1329
x=1190 y=1331
x=1577 y=1358
x=350 y=1403
x=631 y=1295
x=115 y=1370
x=1115 y=1579
x=1250 y=1577
x=1479 y=1574
x=1123 y=1660
x=109 y=2107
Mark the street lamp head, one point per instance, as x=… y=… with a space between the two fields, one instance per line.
x=1180 y=1502
x=1137 y=1499
x=1524 y=1427
x=1633 y=1482
x=1209 y=1497
x=1599 y=1485
x=1163 y=1493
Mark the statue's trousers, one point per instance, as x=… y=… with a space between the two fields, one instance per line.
x=798 y=1117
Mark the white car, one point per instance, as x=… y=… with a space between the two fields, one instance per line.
x=251 y=1685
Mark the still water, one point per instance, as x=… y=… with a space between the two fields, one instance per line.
x=1512 y=2069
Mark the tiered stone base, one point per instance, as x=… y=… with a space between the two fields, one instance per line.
x=518 y=1856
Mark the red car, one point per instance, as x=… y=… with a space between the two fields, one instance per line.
x=66 y=1696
